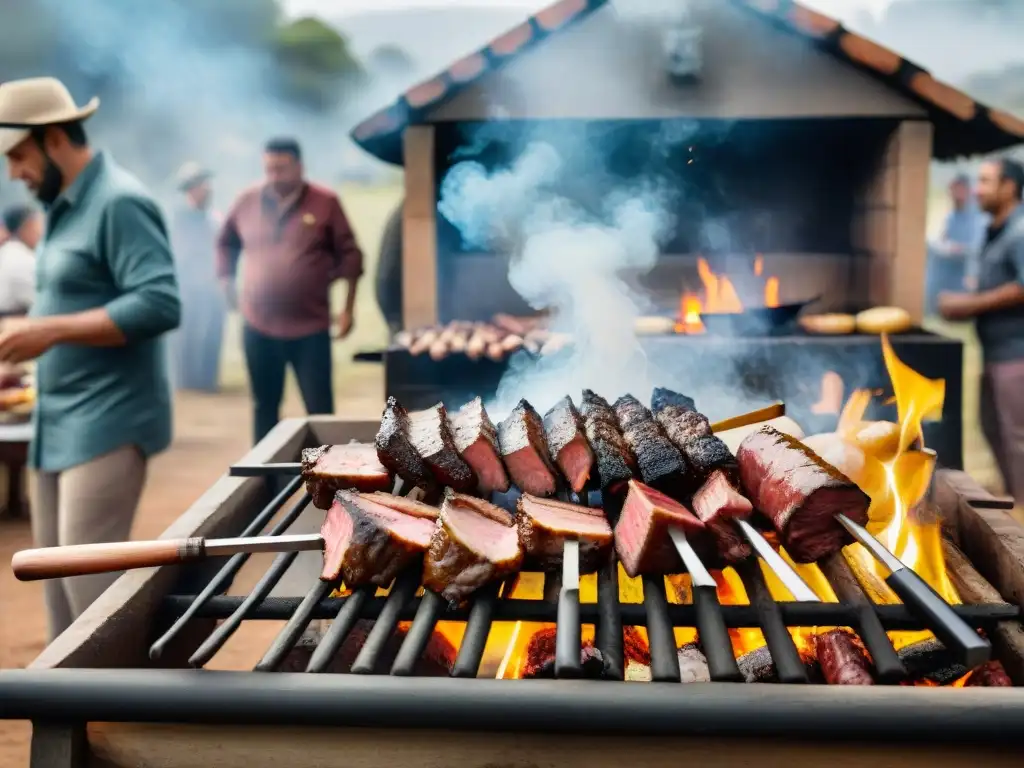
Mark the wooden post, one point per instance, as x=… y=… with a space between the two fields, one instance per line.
x=419 y=229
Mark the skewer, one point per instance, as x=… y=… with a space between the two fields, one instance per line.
x=712 y=632
x=790 y=579
x=935 y=613
x=769 y=412
x=282 y=469
x=568 y=636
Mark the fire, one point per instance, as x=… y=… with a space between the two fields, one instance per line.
x=718 y=294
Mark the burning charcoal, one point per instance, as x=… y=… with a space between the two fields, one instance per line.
x=525 y=450
x=718 y=505
x=544 y=526
x=615 y=460
x=473 y=544
x=842 y=658
x=368 y=543
x=930 y=660
x=990 y=675
x=800 y=493
x=432 y=438
x=540 y=657
x=642 y=533
x=396 y=451
x=331 y=468
x=693 y=666
x=757 y=666
x=476 y=440
x=661 y=464
x=567 y=442
x=662 y=398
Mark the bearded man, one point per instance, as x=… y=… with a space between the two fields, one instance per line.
x=106 y=293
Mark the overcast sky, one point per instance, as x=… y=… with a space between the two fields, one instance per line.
x=337 y=8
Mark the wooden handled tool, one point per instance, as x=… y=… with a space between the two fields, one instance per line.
x=769 y=412
x=85 y=559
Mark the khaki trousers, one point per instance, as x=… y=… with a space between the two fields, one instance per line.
x=1002 y=421
x=92 y=503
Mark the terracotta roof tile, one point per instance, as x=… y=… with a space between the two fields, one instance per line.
x=1007 y=122
x=467 y=68
x=426 y=93
x=870 y=53
x=512 y=40
x=944 y=96
x=811 y=22
x=560 y=14
x=382 y=122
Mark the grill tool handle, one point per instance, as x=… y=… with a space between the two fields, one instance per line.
x=86 y=559
x=282 y=469
x=937 y=615
x=714 y=637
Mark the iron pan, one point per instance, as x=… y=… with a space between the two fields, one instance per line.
x=758 y=321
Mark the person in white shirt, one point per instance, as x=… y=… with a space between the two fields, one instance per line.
x=18 y=259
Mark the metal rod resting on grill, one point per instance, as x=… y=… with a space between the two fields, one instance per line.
x=224 y=576
x=608 y=635
x=661 y=638
x=402 y=591
x=788 y=665
x=431 y=606
x=287 y=637
x=790 y=579
x=568 y=631
x=282 y=469
x=711 y=629
x=340 y=628
x=971 y=649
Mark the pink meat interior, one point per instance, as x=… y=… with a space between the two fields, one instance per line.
x=487 y=537
x=717 y=499
x=351 y=459
x=530 y=472
x=336 y=531
x=481 y=456
x=575 y=461
x=665 y=507
x=812 y=531
x=402 y=504
x=562 y=517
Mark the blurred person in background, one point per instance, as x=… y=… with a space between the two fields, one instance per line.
x=196 y=346
x=389 y=272
x=997 y=308
x=24 y=225
x=106 y=293
x=951 y=259
x=294 y=241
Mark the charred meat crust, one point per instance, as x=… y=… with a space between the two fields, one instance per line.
x=614 y=458
x=322 y=482
x=800 y=494
x=661 y=464
x=662 y=398
x=542 y=537
x=396 y=451
x=525 y=450
x=567 y=442
x=432 y=437
x=718 y=504
x=476 y=440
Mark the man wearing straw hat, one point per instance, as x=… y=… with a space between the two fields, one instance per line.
x=106 y=293
x=197 y=344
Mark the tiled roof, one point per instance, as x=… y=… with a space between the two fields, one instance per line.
x=963 y=126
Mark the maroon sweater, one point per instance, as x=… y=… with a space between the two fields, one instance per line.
x=292 y=256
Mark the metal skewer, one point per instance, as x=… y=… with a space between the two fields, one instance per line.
x=569 y=635
x=934 y=612
x=790 y=579
x=282 y=469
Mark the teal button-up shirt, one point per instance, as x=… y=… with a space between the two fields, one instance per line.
x=106 y=245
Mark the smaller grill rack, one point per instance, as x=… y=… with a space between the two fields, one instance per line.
x=406 y=602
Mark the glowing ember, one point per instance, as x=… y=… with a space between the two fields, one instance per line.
x=718 y=294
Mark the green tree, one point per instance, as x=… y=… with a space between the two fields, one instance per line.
x=316 y=66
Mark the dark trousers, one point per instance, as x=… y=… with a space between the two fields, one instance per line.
x=267 y=359
x=1002 y=421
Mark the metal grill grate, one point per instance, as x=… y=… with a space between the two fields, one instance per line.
x=657 y=614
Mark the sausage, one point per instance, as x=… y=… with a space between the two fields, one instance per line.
x=424 y=342
x=476 y=346
x=495 y=351
x=990 y=675
x=842 y=658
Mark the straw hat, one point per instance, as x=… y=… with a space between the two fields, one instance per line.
x=191 y=174
x=35 y=102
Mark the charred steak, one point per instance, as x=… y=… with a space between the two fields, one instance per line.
x=396 y=451
x=661 y=464
x=476 y=440
x=800 y=493
x=473 y=544
x=331 y=468
x=369 y=543
x=614 y=458
x=642 y=533
x=662 y=398
x=525 y=451
x=717 y=504
x=403 y=504
x=432 y=437
x=567 y=442
x=545 y=524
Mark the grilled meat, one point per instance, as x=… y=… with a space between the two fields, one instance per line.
x=403 y=504
x=476 y=440
x=662 y=398
x=707 y=454
x=525 y=451
x=614 y=458
x=683 y=425
x=660 y=462
x=396 y=451
x=331 y=468
x=642 y=533
x=717 y=504
x=369 y=543
x=473 y=544
x=990 y=675
x=545 y=524
x=800 y=493
x=432 y=437
x=842 y=658
x=567 y=442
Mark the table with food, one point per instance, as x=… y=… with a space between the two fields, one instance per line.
x=17 y=401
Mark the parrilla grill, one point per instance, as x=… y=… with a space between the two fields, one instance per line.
x=385 y=657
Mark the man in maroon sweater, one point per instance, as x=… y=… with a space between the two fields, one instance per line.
x=297 y=242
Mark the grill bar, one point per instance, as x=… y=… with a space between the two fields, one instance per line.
x=714 y=637
x=608 y=634
x=568 y=635
x=660 y=637
x=402 y=592
x=478 y=626
x=788 y=665
x=293 y=630
x=431 y=606
x=344 y=620
x=230 y=569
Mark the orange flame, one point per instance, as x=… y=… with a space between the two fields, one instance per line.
x=718 y=294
